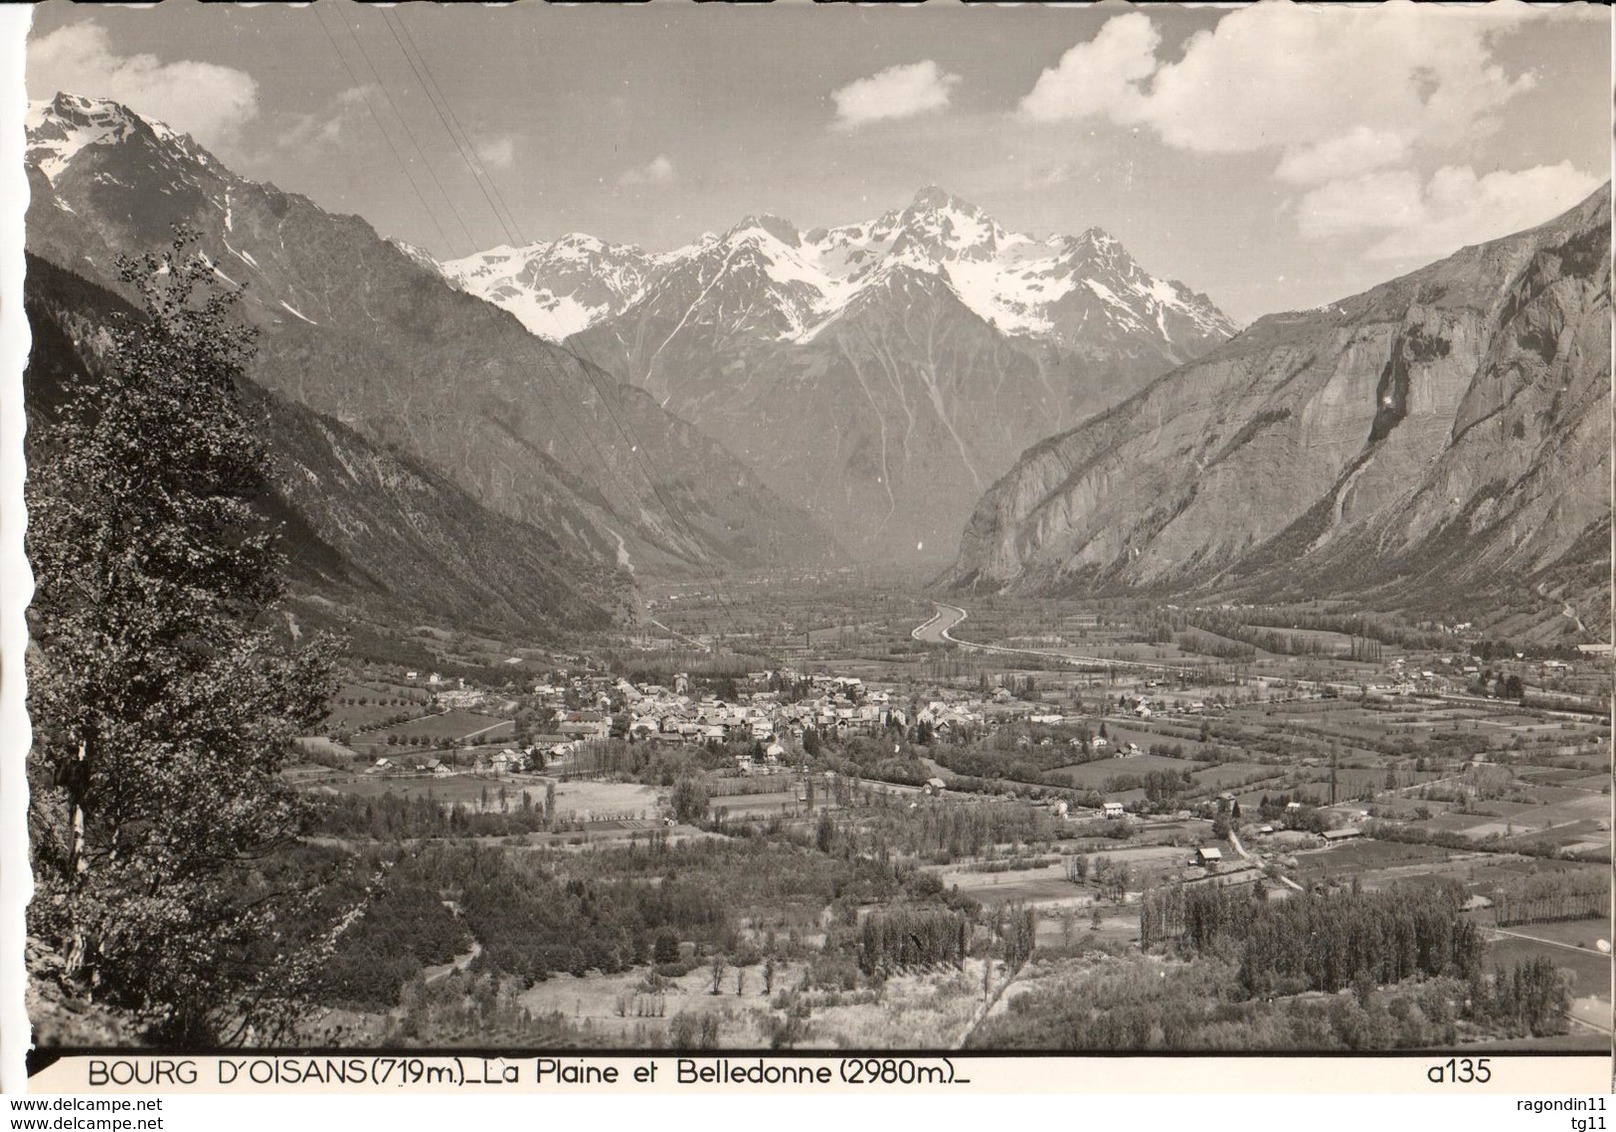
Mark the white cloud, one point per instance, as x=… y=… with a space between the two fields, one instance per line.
x=498 y=153
x=659 y=171
x=1456 y=207
x=205 y=100
x=1357 y=152
x=1325 y=86
x=308 y=131
x=1372 y=202
x=897 y=92
x=1099 y=77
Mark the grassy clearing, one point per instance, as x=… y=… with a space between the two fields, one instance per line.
x=453 y=725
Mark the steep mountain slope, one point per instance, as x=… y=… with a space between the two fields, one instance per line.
x=881 y=374
x=369 y=528
x=1445 y=433
x=359 y=329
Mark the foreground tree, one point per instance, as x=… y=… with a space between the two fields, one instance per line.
x=162 y=702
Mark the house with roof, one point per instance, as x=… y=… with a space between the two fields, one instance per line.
x=644 y=727
x=584 y=725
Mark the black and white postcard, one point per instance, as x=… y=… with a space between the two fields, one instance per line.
x=749 y=534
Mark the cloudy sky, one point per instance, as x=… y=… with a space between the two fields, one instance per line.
x=1274 y=157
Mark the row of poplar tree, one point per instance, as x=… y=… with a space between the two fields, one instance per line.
x=1314 y=942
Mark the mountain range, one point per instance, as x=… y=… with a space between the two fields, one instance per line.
x=769 y=397
x=367 y=335
x=881 y=374
x=1440 y=439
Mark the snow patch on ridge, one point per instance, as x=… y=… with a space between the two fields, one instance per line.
x=1010 y=279
x=298 y=313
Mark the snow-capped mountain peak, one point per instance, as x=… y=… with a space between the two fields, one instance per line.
x=790 y=285
x=58 y=129
x=947 y=228
x=778 y=227
x=556 y=287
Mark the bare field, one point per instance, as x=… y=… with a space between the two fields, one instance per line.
x=754 y=806
x=1092 y=775
x=1230 y=776
x=586 y=798
x=1506 y=947
x=1366 y=856
x=618 y=1007
x=930 y=1010
x=1033 y=885
x=578 y=801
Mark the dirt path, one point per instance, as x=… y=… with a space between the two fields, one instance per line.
x=986 y=1008
x=1234 y=839
x=1537 y=939
x=481 y=730
x=674 y=632
x=459 y=963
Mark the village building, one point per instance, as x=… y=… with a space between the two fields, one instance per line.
x=584 y=725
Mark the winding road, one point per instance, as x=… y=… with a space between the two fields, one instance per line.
x=938 y=630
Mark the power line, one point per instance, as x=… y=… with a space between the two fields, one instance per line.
x=429 y=85
x=471 y=241
x=365 y=98
x=566 y=436
x=491 y=194
x=468 y=151
x=487 y=184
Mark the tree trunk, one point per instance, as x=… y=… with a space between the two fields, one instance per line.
x=78 y=862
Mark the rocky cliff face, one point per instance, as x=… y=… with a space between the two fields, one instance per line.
x=1448 y=431
x=882 y=374
x=357 y=328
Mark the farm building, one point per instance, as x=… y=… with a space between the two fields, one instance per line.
x=1112 y=809
x=1343 y=833
x=1208 y=857
x=934 y=786
x=584 y=725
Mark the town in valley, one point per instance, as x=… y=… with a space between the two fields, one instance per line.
x=1067 y=762
x=811 y=527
